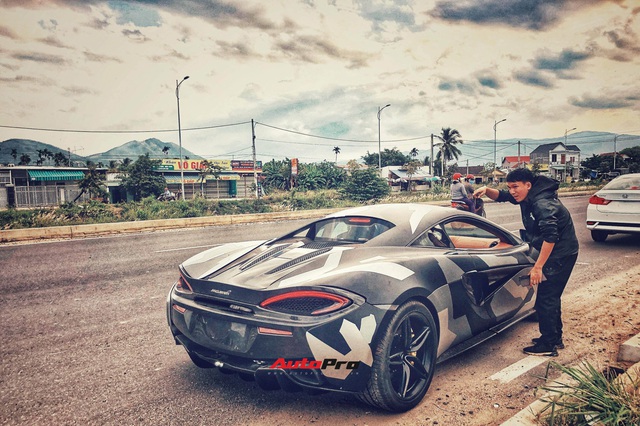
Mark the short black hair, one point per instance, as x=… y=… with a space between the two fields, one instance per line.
x=520 y=175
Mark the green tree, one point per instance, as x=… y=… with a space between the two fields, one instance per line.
x=47 y=154
x=597 y=163
x=93 y=184
x=207 y=169
x=412 y=168
x=25 y=159
x=277 y=174
x=389 y=157
x=450 y=138
x=14 y=154
x=414 y=152
x=125 y=164
x=141 y=181
x=310 y=177
x=59 y=159
x=634 y=158
x=364 y=185
x=336 y=149
x=41 y=157
x=535 y=168
x=165 y=150
x=333 y=176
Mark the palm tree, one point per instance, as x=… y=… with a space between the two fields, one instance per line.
x=336 y=149
x=165 y=150
x=25 y=159
x=208 y=168
x=40 y=159
x=48 y=155
x=413 y=152
x=93 y=183
x=448 y=150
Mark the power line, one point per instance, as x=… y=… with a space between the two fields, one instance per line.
x=339 y=139
x=41 y=129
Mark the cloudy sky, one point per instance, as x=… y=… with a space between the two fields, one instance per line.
x=91 y=75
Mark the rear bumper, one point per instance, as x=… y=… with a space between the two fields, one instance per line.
x=613 y=227
x=324 y=354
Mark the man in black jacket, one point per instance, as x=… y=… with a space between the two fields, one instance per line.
x=549 y=229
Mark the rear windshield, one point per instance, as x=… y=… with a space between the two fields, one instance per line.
x=352 y=229
x=624 y=182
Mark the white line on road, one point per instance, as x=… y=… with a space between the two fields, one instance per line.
x=518 y=368
x=185 y=248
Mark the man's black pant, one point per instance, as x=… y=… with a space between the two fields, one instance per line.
x=548 y=305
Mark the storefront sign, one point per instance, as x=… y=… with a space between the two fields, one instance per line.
x=245 y=165
x=171 y=164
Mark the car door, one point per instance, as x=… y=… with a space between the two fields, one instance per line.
x=497 y=290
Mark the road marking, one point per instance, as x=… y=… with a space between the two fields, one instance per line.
x=518 y=368
x=185 y=248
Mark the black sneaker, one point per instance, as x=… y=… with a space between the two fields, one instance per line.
x=559 y=345
x=541 y=349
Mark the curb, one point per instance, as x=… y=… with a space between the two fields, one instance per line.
x=528 y=416
x=79 y=231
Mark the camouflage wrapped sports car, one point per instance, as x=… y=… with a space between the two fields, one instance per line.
x=365 y=301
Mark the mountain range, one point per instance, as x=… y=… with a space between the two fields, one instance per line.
x=588 y=142
x=133 y=149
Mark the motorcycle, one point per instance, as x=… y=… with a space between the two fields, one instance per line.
x=479 y=210
x=165 y=197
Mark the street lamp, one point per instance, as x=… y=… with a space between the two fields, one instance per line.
x=379 y=149
x=180 y=133
x=565 y=147
x=495 y=142
x=565 y=135
x=495 y=146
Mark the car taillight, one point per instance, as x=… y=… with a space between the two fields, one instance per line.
x=598 y=200
x=183 y=285
x=306 y=302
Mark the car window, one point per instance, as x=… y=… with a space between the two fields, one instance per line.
x=624 y=182
x=349 y=229
x=433 y=237
x=466 y=234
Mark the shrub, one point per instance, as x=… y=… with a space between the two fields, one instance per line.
x=593 y=398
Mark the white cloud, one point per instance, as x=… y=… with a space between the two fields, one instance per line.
x=314 y=67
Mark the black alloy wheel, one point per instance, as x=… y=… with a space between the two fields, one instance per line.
x=404 y=361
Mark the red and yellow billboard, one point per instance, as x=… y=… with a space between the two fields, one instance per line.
x=172 y=164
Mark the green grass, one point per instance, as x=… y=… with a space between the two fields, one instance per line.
x=592 y=398
x=149 y=208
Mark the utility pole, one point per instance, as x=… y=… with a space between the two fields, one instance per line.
x=180 y=135
x=615 y=150
x=379 y=142
x=431 y=158
x=253 y=147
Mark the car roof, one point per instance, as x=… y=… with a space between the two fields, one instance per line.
x=410 y=220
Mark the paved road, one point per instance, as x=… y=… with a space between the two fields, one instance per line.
x=85 y=340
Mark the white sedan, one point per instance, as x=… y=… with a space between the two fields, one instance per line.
x=615 y=208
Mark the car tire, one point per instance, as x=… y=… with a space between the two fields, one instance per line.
x=404 y=360
x=599 y=236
